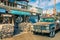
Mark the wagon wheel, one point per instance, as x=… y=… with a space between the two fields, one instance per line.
x=10 y=30
x=52 y=33
x=4 y=31
x=7 y=30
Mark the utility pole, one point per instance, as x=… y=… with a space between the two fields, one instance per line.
x=54 y=10
x=38 y=3
x=27 y=4
x=38 y=10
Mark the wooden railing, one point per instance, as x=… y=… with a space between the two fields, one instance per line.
x=13 y=4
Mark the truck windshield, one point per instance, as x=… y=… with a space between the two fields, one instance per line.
x=33 y=19
x=47 y=20
x=5 y=20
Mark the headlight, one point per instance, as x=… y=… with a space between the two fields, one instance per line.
x=47 y=27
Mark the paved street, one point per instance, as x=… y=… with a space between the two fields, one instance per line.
x=30 y=36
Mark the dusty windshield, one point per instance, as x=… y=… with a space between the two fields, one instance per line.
x=33 y=19
x=5 y=20
x=47 y=20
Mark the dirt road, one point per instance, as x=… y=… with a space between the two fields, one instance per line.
x=30 y=36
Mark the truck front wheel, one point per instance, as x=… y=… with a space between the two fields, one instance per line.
x=34 y=32
x=52 y=33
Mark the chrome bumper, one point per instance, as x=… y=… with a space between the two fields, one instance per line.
x=42 y=31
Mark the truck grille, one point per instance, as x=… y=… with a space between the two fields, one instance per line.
x=39 y=27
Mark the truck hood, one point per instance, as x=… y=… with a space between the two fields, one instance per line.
x=42 y=23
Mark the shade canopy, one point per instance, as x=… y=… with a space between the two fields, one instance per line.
x=2 y=10
x=16 y=12
x=11 y=1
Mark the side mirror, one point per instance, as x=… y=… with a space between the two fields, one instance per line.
x=6 y=11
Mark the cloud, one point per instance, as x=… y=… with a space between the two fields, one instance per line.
x=39 y=3
x=57 y=1
x=35 y=4
x=52 y=2
x=45 y=4
x=50 y=11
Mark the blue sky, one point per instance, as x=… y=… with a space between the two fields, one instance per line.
x=45 y=4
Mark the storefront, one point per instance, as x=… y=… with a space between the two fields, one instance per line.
x=20 y=16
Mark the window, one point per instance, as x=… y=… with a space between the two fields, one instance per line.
x=47 y=20
x=5 y=20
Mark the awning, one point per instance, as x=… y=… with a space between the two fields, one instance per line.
x=6 y=15
x=16 y=12
x=2 y=10
x=11 y=1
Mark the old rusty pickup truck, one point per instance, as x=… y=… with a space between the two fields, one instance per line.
x=46 y=25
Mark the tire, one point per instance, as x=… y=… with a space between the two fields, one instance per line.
x=34 y=32
x=52 y=34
